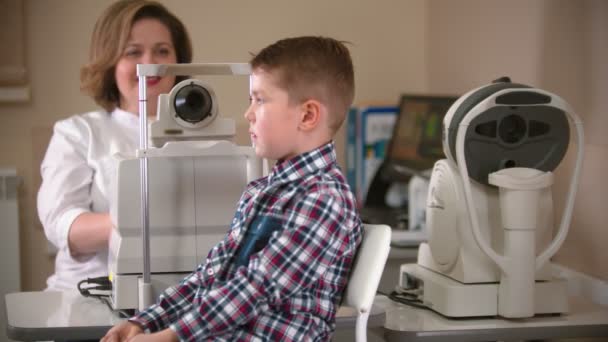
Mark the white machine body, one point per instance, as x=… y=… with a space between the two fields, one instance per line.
x=458 y=279
x=451 y=248
x=172 y=202
x=193 y=196
x=491 y=232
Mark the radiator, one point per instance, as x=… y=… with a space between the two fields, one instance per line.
x=10 y=279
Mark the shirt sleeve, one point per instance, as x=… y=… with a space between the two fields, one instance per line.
x=302 y=252
x=178 y=300
x=66 y=181
x=172 y=303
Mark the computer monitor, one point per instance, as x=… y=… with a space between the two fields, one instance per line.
x=416 y=141
x=413 y=149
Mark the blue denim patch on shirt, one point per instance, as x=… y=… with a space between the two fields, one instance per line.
x=256 y=238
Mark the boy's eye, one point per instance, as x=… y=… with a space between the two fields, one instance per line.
x=256 y=100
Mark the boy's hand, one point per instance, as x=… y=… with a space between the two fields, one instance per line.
x=122 y=332
x=166 y=335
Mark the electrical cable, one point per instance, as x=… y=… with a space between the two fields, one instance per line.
x=405 y=296
x=100 y=284
x=121 y=313
x=407 y=299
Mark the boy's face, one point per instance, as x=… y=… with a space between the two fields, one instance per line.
x=273 y=121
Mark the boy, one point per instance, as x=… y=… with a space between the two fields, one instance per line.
x=280 y=272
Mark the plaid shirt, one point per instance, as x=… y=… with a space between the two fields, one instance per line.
x=279 y=273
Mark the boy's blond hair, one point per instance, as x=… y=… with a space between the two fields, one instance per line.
x=308 y=67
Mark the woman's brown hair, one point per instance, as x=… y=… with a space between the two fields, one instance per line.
x=108 y=42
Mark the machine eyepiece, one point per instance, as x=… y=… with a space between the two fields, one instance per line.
x=512 y=129
x=193 y=103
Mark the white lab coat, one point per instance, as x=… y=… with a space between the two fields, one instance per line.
x=77 y=172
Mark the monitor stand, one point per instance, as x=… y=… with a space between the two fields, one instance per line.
x=376 y=211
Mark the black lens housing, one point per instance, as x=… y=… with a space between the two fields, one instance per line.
x=193 y=103
x=512 y=129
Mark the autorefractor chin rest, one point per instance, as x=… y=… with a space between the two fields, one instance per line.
x=490 y=209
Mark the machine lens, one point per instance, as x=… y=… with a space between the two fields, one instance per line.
x=193 y=103
x=512 y=129
x=194 y=100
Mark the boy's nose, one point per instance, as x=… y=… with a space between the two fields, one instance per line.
x=249 y=116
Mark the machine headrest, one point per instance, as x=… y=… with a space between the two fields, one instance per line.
x=511 y=125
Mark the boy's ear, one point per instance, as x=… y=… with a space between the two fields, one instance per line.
x=310 y=115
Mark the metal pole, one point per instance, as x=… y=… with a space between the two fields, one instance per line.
x=143 y=166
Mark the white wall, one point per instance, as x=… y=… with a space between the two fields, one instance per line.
x=388 y=46
x=9 y=243
x=415 y=46
x=557 y=45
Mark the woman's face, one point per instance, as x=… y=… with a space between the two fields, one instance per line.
x=149 y=43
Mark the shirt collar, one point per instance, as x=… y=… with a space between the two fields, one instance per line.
x=126 y=117
x=303 y=164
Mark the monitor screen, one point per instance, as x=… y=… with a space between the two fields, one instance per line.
x=416 y=141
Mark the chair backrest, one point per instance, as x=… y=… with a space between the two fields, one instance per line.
x=368 y=266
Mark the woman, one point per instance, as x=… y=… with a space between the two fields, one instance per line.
x=73 y=201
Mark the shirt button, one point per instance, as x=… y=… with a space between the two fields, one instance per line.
x=210 y=271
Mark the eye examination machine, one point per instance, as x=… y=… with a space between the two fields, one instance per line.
x=490 y=210
x=184 y=188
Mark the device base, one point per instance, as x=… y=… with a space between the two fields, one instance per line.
x=455 y=299
x=126 y=288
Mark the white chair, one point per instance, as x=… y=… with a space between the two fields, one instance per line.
x=365 y=274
